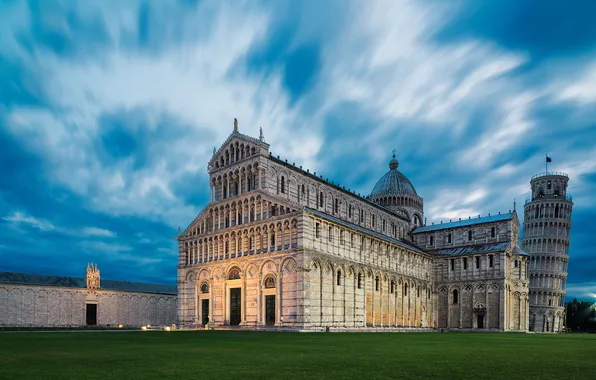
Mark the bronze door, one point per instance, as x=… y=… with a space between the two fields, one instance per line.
x=235 y=306
x=205 y=311
x=270 y=310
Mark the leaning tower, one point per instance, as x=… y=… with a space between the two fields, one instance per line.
x=547 y=221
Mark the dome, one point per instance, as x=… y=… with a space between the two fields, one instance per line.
x=393 y=182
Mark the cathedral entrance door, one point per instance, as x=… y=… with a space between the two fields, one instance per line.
x=91 y=314
x=235 y=306
x=269 y=310
x=205 y=311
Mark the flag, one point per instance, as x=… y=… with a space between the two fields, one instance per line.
x=548 y=159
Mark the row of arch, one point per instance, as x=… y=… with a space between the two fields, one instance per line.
x=322 y=197
x=546 y=298
x=546 y=228
x=548 y=281
x=548 y=263
x=404 y=200
x=364 y=248
x=236 y=182
x=237 y=212
x=235 y=152
x=266 y=238
x=255 y=278
x=558 y=246
x=552 y=187
x=357 y=295
x=548 y=210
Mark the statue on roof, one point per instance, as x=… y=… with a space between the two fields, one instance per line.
x=261 y=137
x=214 y=150
x=235 y=125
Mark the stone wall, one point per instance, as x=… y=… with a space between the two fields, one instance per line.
x=496 y=294
x=50 y=306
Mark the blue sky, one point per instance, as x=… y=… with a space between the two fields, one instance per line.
x=109 y=112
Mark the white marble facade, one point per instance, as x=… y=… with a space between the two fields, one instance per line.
x=278 y=245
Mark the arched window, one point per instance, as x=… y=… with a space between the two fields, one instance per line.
x=548 y=185
x=493 y=232
x=392 y=288
x=377 y=283
x=204 y=288
x=234 y=274
x=359 y=280
x=283 y=184
x=338 y=277
x=405 y=290
x=273 y=239
x=269 y=283
x=455 y=296
x=321 y=199
x=469 y=235
x=432 y=240
x=449 y=237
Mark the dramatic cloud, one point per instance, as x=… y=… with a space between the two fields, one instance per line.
x=109 y=113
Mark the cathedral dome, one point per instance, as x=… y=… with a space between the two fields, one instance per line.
x=393 y=182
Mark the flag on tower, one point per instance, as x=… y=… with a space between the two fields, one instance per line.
x=548 y=159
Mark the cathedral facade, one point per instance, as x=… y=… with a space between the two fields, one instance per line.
x=280 y=246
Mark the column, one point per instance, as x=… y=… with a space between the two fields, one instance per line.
x=278 y=308
x=260 y=179
x=243 y=304
x=259 y=300
x=224 y=304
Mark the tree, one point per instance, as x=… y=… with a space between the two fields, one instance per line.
x=580 y=316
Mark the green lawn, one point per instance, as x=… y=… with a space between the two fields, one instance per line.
x=268 y=356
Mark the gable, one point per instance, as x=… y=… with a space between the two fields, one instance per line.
x=237 y=148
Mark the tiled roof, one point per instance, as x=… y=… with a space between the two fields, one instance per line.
x=79 y=282
x=477 y=250
x=364 y=230
x=464 y=223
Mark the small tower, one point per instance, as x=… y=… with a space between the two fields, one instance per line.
x=92 y=276
x=547 y=222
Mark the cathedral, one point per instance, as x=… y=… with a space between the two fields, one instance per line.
x=279 y=246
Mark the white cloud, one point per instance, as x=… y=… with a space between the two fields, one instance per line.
x=18 y=217
x=585 y=290
x=581 y=89
x=100 y=232
x=192 y=81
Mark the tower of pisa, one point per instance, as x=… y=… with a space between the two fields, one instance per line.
x=547 y=221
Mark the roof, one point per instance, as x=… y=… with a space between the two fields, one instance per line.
x=79 y=282
x=464 y=223
x=393 y=183
x=478 y=250
x=364 y=230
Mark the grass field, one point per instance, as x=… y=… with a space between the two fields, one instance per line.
x=267 y=355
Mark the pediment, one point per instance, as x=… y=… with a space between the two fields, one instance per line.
x=237 y=147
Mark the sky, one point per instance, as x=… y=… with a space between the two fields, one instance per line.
x=109 y=112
